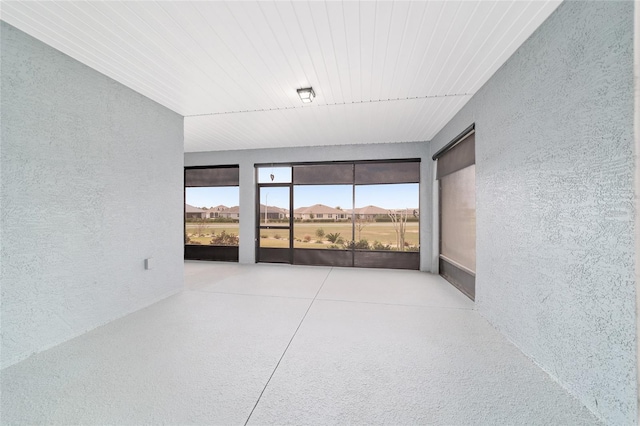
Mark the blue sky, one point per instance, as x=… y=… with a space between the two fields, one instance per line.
x=384 y=196
x=280 y=174
x=211 y=197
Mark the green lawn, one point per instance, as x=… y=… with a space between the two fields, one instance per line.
x=373 y=231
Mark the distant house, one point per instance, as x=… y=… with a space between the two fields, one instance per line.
x=411 y=212
x=230 y=213
x=319 y=211
x=192 y=212
x=215 y=212
x=369 y=213
x=273 y=212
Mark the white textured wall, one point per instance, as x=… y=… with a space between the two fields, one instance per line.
x=91 y=185
x=248 y=158
x=636 y=128
x=555 y=209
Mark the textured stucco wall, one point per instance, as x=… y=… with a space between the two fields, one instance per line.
x=248 y=158
x=636 y=132
x=91 y=185
x=555 y=209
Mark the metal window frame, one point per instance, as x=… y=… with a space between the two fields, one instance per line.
x=412 y=260
x=207 y=252
x=262 y=255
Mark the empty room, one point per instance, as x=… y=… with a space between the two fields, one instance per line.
x=319 y=212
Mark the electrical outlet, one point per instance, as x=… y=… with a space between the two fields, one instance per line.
x=148 y=263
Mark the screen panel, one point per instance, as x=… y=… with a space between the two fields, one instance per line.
x=461 y=279
x=387 y=217
x=224 y=254
x=212 y=176
x=388 y=260
x=274 y=255
x=323 y=257
x=385 y=173
x=322 y=216
x=323 y=174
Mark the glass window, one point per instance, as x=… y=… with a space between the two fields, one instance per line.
x=327 y=225
x=387 y=217
x=317 y=222
x=274 y=213
x=274 y=174
x=274 y=238
x=212 y=216
x=274 y=206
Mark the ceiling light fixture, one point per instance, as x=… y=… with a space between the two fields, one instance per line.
x=306 y=95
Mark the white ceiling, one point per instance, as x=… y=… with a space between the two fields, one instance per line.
x=382 y=71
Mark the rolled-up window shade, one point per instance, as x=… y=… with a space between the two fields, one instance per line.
x=212 y=176
x=462 y=155
x=323 y=174
x=382 y=173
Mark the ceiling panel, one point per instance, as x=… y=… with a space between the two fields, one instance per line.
x=382 y=71
x=370 y=122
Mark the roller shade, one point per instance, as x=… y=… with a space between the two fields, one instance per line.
x=462 y=155
x=212 y=176
x=383 y=173
x=458 y=217
x=323 y=174
x=456 y=173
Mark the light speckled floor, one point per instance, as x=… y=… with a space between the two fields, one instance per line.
x=278 y=344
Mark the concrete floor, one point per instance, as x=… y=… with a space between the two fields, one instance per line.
x=279 y=344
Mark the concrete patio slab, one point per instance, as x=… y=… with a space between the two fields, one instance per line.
x=362 y=363
x=395 y=287
x=394 y=347
x=194 y=358
x=264 y=280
